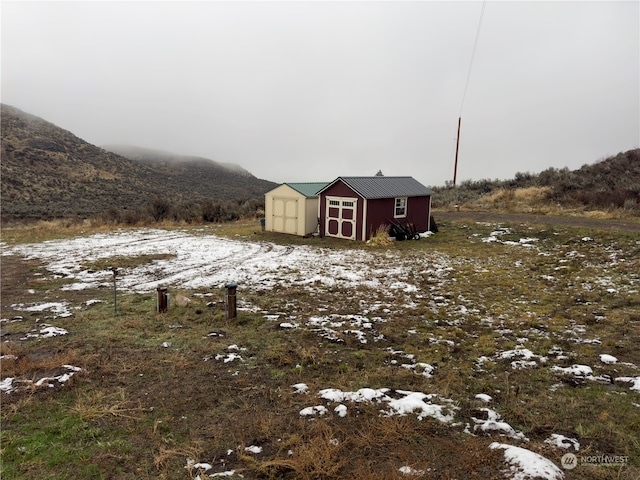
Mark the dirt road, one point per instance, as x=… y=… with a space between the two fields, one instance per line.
x=580 y=222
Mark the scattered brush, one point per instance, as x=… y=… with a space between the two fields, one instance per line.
x=381 y=238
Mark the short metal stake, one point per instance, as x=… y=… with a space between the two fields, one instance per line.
x=230 y=310
x=115 y=295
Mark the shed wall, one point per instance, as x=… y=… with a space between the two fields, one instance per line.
x=288 y=211
x=340 y=190
x=381 y=211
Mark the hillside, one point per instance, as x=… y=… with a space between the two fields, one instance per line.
x=48 y=172
x=610 y=185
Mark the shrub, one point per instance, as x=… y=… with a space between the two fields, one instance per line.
x=381 y=237
x=160 y=209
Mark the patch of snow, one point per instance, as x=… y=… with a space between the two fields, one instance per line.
x=415 y=402
x=316 y=410
x=362 y=395
x=288 y=325
x=484 y=397
x=493 y=424
x=253 y=449
x=576 y=370
x=15 y=319
x=50 y=331
x=301 y=388
x=561 y=441
x=526 y=358
x=228 y=473
x=6 y=385
x=420 y=368
x=229 y=358
x=59 y=309
x=407 y=402
x=519 y=351
x=341 y=410
x=411 y=471
x=635 y=382
x=522 y=364
x=525 y=464
x=558 y=353
x=46 y=381
x=608 y=359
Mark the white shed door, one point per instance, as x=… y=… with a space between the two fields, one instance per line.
x=285 y=215
x=341 y=217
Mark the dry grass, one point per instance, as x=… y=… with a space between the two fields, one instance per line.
x=529 y=200
x=167 y=455
x=317 y=454
x=19 y=364
x=381 y=237
x=140 y=410
x=98 y=404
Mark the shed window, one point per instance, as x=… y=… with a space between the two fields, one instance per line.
x=401 y=207
x=347 y=204
x=334 y=203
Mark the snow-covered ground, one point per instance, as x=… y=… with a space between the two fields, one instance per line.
x=381 y=280
x=209 y=261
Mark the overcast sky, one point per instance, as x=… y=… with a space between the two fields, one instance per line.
x=309 y=91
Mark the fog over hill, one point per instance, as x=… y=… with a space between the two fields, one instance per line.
x=149 y=155
x=48 y=172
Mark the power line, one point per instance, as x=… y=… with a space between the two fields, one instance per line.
x=473 y=54
x=464 y=95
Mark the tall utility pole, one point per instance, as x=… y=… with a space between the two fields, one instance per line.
x=455 y=168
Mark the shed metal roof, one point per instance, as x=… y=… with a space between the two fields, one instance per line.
x=308 y=189
x=386 y=187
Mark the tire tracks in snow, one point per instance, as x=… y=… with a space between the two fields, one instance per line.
x=232 y=262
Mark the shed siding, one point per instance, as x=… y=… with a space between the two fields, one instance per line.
x=381 y=211
x=311 y=216
x=288 y=211
x=340 y=190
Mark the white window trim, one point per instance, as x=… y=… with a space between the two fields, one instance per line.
x=395 y=207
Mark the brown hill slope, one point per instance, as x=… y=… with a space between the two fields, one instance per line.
x=47 y=172
x=611 y=184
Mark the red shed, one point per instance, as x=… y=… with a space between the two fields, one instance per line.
x=354 y=207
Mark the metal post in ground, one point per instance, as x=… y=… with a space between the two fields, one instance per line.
x=114 y=270
x=230 y=310
x=162 y=303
